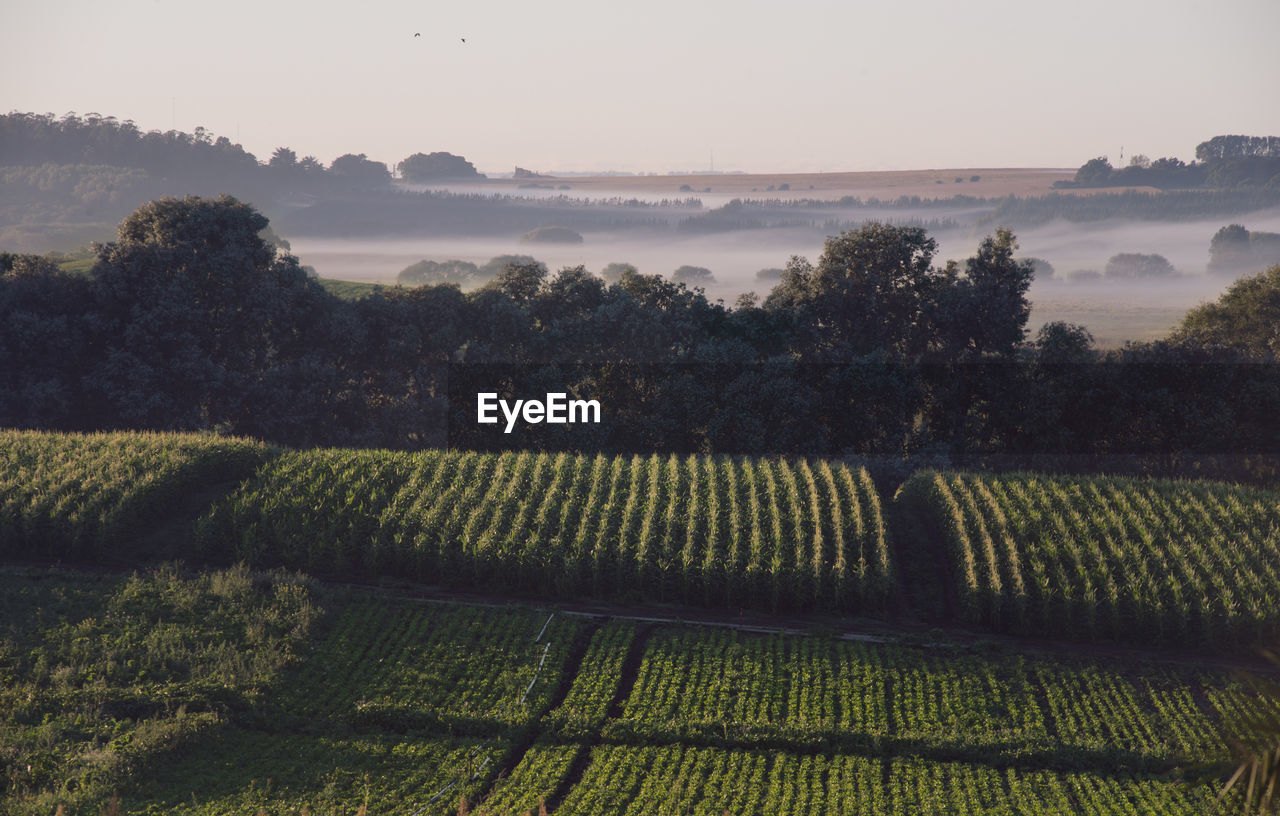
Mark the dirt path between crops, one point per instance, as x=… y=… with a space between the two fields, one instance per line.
x=907 y=632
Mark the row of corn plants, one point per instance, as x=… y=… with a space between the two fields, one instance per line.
x=1185 y=563
x=772 y=534
x=80 y=495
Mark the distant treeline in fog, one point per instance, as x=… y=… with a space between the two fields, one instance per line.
x=1222 y=163
x=67 y=180
x=190 y=320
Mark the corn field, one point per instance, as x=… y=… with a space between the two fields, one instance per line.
x=80 y=495
x=761 y=533
x=1181 y=563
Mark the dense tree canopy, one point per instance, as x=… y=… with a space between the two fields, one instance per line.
x=1246 y=316
x=436 y=166
x=191 y=320
x=196 y=308
x=357 y=170
x=1235 y=249
x=1131 y=265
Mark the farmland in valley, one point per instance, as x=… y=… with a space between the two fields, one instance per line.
x=1191 y=564
x=232 y=691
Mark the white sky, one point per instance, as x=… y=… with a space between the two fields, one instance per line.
x=657 y=85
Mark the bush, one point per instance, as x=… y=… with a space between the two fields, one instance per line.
x=1131 y=265
x=693 y=275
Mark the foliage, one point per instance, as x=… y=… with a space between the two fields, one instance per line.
x=1234 y=249
x=870 y=291
x=628 y=780
x=36 y=139
x=430 y=273
x=1226 y=147
x=103 y=675
x=1255 y=745
x=1246 y=315
x=741 y=691
x=191 y=321
x=1175 y=206
x=46 y=344
x=1131 y=265
x=433 y=166
x=398 y=705
x=612 y=272
x=1094 y=172
x=348 y=290
x=693 y=275
x=197 y=310
x=359 y=172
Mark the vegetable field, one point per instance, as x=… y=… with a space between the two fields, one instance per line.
x=731 y=689
x=266 y=694
x=1185 y=563
x=631 y=781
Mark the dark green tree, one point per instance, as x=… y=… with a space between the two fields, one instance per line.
x=1094 y=173
x=986 y=310
x=358 y=171
x=47 y=345
x=283 y=158
x=1246 y=316
x=871 y=291
x=197 y=309
x=422 y=167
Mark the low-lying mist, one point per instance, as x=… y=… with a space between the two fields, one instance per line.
x=1114 y=310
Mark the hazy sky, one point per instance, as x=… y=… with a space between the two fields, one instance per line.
x=660 y=85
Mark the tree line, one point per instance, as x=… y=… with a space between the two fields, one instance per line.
x=1222 y=163
x=190 y=320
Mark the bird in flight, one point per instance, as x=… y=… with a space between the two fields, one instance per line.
x=464 y=39
x=417 y=34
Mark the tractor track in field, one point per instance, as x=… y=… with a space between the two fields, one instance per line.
x=573 y=664
x=628 y=674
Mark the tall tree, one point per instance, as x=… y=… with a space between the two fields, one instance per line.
x=869 y=292
x=198 y=308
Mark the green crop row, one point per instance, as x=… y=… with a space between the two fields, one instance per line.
x=78 y=496
x=730 y=689
x=1098 y=558
x=630 y=781
x=1184 y=563
x=773 y=534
